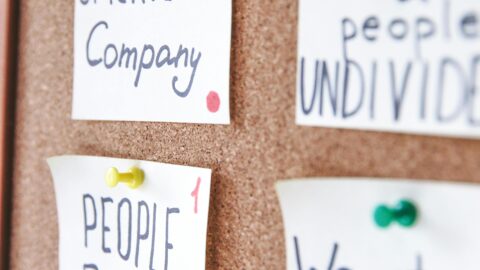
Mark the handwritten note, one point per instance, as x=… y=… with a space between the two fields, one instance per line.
x=408 y=66
x=163 y=60
x=329 y=225
x=160 y=225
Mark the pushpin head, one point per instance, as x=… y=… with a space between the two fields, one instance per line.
x=112 y=177
x=404 y=213
x=383 y=216
x=133 y=178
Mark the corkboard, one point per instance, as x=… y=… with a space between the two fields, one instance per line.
x=261 y=145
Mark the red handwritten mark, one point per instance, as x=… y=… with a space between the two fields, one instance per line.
x=213 y=101
x=195 y=195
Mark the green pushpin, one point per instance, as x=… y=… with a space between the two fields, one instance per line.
x=404 y=213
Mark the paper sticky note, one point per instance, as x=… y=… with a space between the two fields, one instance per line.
x=329 y=224
x=160 y=225
x=390 y=65
x=162 y=61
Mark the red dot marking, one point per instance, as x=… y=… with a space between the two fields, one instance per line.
x=213 y=101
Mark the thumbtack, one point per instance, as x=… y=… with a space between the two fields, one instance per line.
x=404 y=213
x=133 y=178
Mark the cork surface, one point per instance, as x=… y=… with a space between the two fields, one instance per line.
x=261 y=145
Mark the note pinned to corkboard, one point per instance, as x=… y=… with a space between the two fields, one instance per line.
x=397 y=66
x=168 y=62
x=262 y=144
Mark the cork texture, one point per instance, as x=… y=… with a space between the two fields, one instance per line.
x=262 y=144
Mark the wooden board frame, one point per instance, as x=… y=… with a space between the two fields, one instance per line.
x=7 y=82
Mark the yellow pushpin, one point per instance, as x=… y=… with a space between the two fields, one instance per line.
x=133 y=178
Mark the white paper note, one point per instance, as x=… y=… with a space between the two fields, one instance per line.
x=390 y=65
x=163 y=60
x=160 y=225
x=329 y=225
